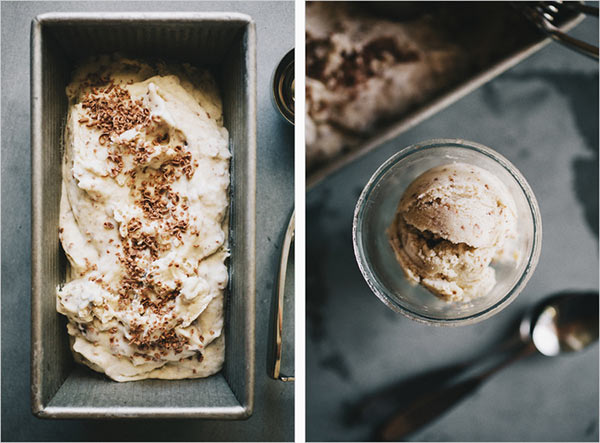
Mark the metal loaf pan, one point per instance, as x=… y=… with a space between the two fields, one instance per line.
x=442 y=98
x=225 y=42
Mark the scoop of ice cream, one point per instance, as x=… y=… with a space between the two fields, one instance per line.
x=451 y=222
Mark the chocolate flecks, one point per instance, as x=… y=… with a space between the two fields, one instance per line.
x=113 y=111
x=357 y=64
x=160 y=222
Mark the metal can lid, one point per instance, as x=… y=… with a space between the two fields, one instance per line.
x=283 y=86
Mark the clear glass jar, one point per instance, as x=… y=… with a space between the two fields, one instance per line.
x=377 y=206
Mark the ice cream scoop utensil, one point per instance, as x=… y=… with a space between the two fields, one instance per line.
x=558 y=324
x=544 y=16
x=275 y=353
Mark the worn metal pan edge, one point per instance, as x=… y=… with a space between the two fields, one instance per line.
x=43 y=407
x=443 y=101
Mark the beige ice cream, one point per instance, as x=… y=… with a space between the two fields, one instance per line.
x=364 y=69
x=143 y=220
x=371 y=64
x=452 y=222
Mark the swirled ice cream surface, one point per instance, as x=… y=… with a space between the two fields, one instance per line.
x=143 y=220
x=452 y=222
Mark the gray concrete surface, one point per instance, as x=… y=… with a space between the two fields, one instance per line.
x=543 y=116
x=274 y=401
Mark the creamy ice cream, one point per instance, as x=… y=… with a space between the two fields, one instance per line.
x=363 y=69
x=143 y=220
x=371 y=64
x=452 y=222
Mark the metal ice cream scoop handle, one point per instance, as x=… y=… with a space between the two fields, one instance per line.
x=558 y=324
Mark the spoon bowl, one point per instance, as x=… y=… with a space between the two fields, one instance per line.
x=559 y=324
x=562 y=323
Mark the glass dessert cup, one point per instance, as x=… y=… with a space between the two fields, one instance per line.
x=375 y=212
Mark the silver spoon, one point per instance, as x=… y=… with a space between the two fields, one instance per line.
x=559 y=324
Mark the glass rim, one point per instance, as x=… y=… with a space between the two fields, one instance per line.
x=380 y=289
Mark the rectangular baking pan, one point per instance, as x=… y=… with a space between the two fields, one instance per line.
x=224 y=42
x=442 y=100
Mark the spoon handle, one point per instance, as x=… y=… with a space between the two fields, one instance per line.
x=431 y=405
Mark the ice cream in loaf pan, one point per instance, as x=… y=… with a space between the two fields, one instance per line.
x=452 y=222
x=143 y=219
x=371 y=65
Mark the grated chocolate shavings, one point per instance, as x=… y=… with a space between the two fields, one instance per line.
x=110 y=109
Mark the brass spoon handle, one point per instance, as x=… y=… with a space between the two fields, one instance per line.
x=433 y=404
